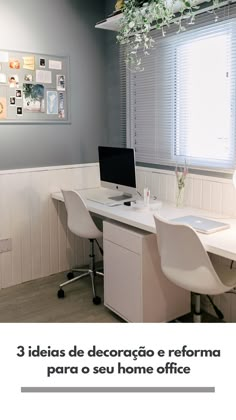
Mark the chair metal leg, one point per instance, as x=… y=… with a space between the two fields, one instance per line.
x=99 y=273
x=93 y=283
x=74 y=279
x=85 y=272
x=61 y=293
x=96 y=299
x=197 y=316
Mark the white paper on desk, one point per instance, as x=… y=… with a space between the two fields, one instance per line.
x=55 y=65
x=43 y=76
x=3 y=56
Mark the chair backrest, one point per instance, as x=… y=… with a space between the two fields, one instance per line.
x=184 y=260
x=79 y=220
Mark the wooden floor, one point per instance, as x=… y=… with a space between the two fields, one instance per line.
x=36 y=301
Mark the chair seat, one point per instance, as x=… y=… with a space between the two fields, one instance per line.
x=186 y=263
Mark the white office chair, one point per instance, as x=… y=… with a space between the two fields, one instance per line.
x=185 y=262
x=81 y=224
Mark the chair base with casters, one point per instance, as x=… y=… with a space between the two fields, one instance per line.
x=92 y=272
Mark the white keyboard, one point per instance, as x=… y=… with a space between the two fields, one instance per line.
x=106 y=197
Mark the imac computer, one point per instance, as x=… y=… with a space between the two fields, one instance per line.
x=117 y=173
x=117 y=169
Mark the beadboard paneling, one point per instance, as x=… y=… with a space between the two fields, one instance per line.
x=217 y=195
x=41 y=242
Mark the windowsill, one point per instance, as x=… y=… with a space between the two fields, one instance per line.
x=216 y=173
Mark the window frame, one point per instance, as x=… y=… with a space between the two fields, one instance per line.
x=201 y=162
x=198 y=164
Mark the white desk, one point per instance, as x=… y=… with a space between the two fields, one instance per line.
x=134 y=285
x=221 y=243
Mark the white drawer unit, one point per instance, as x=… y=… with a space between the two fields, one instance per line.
x=134 y=286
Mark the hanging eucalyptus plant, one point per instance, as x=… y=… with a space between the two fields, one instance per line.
x=139 y=17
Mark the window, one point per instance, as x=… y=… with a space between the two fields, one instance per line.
x=182 y=106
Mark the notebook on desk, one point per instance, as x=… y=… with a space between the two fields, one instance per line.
x=201 y=224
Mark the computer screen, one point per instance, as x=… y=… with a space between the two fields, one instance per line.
x=117 y=168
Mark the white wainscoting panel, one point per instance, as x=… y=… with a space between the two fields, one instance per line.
x=41 y=242
x=204 y=192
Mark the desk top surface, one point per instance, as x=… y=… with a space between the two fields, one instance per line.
x=221 y=243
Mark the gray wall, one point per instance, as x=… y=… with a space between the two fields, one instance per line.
x=110 y=6
x=58 y=27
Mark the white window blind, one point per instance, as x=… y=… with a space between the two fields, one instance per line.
x=182 y=106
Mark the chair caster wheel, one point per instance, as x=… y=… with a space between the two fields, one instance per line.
x=60 y=294
x=96 y=300
x=70 y=275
